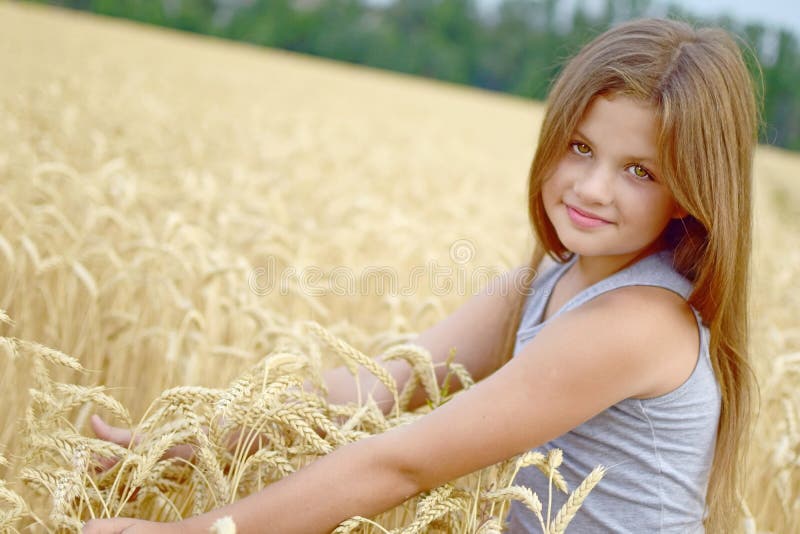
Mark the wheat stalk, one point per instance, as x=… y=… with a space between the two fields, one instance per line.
x=575 y=500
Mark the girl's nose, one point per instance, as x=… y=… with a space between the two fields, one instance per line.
x=596 y=186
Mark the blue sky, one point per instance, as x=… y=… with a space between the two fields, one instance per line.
x=779 y=13
x=776 y=13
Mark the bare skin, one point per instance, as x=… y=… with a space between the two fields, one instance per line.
x=613 y=360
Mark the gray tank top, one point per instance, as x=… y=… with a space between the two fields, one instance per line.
x=658 y=451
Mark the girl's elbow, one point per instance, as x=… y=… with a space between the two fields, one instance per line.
x=406 y=474
x=410 y=480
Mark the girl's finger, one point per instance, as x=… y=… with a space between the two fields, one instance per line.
x=120 y=436
x=102 y=463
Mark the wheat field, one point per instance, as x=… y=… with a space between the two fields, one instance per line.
x=184 y=220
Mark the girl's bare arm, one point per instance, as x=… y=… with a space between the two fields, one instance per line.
x=620 y=345
x=475 y=330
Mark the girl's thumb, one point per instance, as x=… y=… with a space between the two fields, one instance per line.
x=120 y=436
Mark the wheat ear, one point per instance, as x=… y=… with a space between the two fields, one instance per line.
x=576 y=498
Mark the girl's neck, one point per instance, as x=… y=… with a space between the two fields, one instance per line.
x=588 y=270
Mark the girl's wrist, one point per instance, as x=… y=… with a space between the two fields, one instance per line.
x=192 y=526
x=180 y=527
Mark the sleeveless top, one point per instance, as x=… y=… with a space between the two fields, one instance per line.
x=657 y=451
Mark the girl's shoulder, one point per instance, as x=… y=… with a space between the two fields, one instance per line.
x=645 y=308
x=658 y=321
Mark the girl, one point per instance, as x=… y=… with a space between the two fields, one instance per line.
x=630 y=351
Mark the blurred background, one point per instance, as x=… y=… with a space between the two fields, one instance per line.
x=513 y=46
x=147 y=175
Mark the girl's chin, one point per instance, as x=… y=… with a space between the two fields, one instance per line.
x=589 y=245
x=580 y=243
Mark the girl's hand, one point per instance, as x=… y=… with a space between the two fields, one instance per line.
x=123 y=437
x=130 y=526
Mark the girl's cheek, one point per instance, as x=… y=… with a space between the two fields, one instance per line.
x=563 y=171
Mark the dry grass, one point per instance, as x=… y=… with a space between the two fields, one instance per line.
x=149 y=181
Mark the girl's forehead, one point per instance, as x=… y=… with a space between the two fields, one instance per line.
x=621 y=123
x=620 y=104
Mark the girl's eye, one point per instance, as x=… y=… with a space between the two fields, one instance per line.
x=580 y=148
x=640 y=172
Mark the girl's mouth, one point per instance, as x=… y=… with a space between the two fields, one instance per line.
x=584 y=219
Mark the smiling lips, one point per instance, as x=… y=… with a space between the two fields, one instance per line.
x=585 y=219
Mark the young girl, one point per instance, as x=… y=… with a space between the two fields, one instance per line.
x=631 y=349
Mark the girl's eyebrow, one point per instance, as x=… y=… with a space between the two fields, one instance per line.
x=581 y=134
x=651 y=161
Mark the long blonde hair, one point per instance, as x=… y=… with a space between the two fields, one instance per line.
x=698 y=83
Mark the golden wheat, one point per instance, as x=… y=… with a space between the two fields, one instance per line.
x=178 y=211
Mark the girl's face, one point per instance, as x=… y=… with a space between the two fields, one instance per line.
x=604 y=197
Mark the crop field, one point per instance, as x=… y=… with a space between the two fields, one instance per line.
x=191 y=228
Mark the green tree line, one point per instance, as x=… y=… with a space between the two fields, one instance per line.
x=517 y=48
